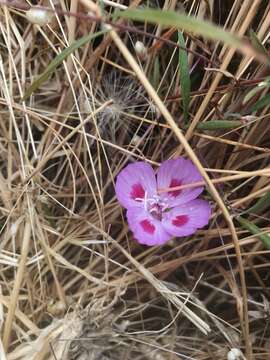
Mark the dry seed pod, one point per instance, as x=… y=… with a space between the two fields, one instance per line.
x=141 y=50
x=38 y=16
x=234 y=354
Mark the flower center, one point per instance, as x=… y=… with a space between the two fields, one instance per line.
x=156 y=206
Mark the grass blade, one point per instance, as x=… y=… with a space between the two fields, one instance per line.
x=257 y=43
x=255 y=230
x=184 y=75
x=156 y=73
x=213 y=125
x=262 y=85
x=193 y=25
x=58 y=60
x=264 y=101
x=260 y=205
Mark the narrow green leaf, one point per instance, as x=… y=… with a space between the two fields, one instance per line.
x=190 y=24
x=260 y=205
x=58 y=60
x=263 y=102
x=193 y=25
x=253 y=229
x=156 y=73
x=219 y=125
x=262 y=85
x=102 y=7
x=255 y=41
x=251 y=94
x=184 y=75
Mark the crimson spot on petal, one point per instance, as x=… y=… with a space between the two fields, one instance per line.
x=147 y=226
x=180 y=220
x=174 y=183
x=137 y=192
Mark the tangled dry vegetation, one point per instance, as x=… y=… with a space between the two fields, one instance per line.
x=74 y=283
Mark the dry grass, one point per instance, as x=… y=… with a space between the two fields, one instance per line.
x=74 y=284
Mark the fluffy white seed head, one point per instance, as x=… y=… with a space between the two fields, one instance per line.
x=38 y=16
x=127 y=99
x=234 y=354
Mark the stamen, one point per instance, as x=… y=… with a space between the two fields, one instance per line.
x=154 y=205
x=145 y=200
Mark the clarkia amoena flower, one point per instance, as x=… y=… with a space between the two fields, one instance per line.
x=155 y=217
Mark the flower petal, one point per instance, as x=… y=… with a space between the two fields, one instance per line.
x=145 y=228
x=184 y=220
x=133 y=183
x=176 y=172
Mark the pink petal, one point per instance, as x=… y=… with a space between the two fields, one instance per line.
x=178 y=172
x=145 y=228
x=133 y=183
x=184 y=220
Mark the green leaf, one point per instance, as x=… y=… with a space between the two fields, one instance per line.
x=213 y=125
x=263 y=102
x=156 y=73
x=190 y=24
x=102 y=7
x=255 y=230
x=58 y=60
x=184 y=75
x=257 y=43
x=262 y=85
x=260 y=205
x=251 y=94
x=195 y=26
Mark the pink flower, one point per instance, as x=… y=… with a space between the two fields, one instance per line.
x=153 y=217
